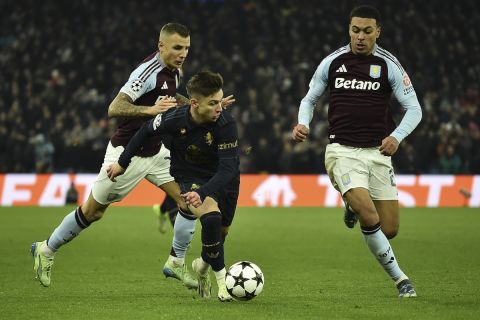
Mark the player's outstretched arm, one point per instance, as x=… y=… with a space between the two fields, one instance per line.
x=162 y=104
x=300 y=133
x=122 y=106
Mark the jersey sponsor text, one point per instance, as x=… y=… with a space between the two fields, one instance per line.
x=356 y=84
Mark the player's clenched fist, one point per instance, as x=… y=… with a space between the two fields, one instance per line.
x=300 y=133
x=114 y=170
x=389 y=146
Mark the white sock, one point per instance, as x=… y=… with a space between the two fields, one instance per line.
x=183 y=231
x=220 y=275
x=378 y=244
x=69 y=228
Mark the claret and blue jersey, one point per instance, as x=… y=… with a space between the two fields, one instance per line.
x=146 y=83
x=360 y=88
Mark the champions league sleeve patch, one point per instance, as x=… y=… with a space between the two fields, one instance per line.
x=137 y=85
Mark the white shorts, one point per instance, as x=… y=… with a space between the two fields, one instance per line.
x=155 y=169
x=350 y=167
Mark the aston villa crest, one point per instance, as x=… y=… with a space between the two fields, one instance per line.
x=375 y=71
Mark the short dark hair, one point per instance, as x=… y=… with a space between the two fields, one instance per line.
x=204 y=83
x=365 y=11
x=173 y=28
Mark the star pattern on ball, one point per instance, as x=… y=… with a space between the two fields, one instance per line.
x=249 y=295
x=258 y=278
x=245 y=280
x=240 y=281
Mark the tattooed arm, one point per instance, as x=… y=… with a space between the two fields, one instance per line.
x=122 y=106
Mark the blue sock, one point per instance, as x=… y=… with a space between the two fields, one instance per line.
x=378 y=244
x=212 y=243
x=183 y=231
x=69 y=228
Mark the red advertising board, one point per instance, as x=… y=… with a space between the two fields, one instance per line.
x=256 y=190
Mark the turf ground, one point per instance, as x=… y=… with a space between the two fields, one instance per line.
x=314 y=267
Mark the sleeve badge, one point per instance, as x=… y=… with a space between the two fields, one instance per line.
x=137 y=85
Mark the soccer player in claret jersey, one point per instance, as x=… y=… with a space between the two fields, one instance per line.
x=361 y=77
x=205 y=163
x=150 y=90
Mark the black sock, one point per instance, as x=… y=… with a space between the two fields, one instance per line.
x=212 y=244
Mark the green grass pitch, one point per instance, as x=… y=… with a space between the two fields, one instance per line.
x=314 y=267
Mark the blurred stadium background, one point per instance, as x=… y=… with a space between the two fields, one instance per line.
x=62 y=62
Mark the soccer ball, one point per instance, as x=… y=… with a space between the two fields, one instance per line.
x=244 y=280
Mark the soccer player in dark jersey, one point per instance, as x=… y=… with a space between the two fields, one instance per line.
x=205 y=163
x=360 y=78
x=150 y=90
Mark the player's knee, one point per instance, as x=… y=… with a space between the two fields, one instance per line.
x=93 y=210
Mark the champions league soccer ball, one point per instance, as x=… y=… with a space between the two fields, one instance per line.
x=244 y=280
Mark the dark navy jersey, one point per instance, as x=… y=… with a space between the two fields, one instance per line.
x=207 y=152
x=360 y=88
x=150 y=80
